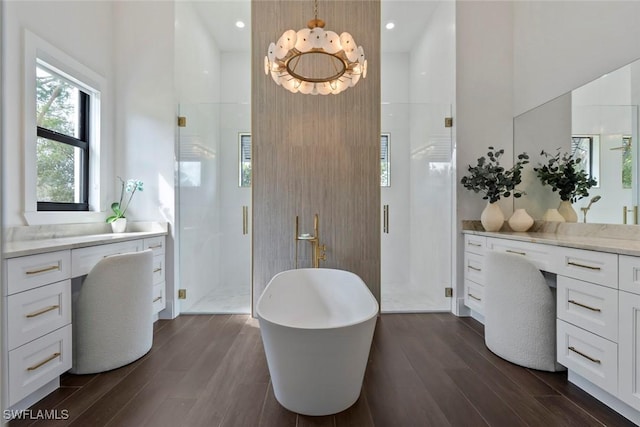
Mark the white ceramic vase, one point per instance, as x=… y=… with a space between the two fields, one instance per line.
x=119 y=225
x=520 y=220
x=553 y=215
x=492 y=217
x=567 y=211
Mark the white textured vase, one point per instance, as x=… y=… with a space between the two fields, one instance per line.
x=119 y=225
x=567 y=211
x=492 y=217
x=520 y=220
x=553 y=215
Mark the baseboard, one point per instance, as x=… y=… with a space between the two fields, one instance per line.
x=611 y=401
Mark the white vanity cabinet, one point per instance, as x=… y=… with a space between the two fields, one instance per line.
x=540 y=255
x=156 y=244
x=629 y=332
x=474 y=247
x=38 y=322
x=38 y=305
x=83 y=259
x=598 y=311
x=629 y=349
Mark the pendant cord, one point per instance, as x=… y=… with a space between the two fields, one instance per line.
x=315 y=10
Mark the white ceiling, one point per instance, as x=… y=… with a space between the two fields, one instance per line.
x=220 y=16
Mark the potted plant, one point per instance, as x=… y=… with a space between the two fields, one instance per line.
x=118 y=221
x=493 y=181
x=563 y=172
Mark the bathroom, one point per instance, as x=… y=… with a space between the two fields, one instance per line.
x=484 y=63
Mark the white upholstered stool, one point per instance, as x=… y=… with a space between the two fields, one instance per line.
x=520 y=312
x=113 y=313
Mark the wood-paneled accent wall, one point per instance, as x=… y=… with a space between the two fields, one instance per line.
x=316 y=154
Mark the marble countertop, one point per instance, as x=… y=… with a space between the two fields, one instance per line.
x=55 y=241
x=589 y=242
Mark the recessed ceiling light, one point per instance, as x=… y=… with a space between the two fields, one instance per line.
x=239 y=24
x=390 y=26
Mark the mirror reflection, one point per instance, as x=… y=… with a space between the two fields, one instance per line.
x=598 y=123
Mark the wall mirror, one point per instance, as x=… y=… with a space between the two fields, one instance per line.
x=599 y=123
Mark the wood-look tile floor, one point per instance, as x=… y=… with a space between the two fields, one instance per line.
x=424 y=370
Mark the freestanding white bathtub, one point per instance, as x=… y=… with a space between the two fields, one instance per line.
x=317 y=325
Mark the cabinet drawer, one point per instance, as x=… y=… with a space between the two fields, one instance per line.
x=38 y=362
x=159 y=302
x=540 y=255
x=37 y=312
x=473 y=267
x=589 y=355
x=156 y=244
x=591 y=307
x=473 y=296
x=83 y=259
x=158 y=269
x=591 y=266
x=629 y=267
x=474 y=244
x=31 y=271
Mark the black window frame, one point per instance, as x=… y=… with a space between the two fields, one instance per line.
x=575 y=143
x=82 y=142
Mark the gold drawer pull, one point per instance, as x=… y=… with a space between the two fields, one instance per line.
x=44 y=362
x=117 y=253
x=157 y=299
x=474 y=268
x=43 y=270
x=474 y=244
x=584 y=306
x=157 y=270
x=590 y=267
x=474 y=297
x=515 y=252
x=584 y=355
x=155 y=246
x=42 y=311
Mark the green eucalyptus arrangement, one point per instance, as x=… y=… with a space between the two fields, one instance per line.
x=130 y=187
x=493 y=180
x=564 y=174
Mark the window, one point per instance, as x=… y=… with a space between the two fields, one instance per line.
x=627 y=168
x=245 y=159
x=64 y=160
x=587 y=148
x=385 y=180
x=62 y=146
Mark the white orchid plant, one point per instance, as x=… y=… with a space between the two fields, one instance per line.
x=129 y=187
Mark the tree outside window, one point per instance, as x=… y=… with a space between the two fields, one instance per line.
x=627 y=163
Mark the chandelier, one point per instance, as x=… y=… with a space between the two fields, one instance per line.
x=315 y=61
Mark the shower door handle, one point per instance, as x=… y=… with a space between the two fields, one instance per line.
x=626 y=210
x=245 y=220
x=385 y=220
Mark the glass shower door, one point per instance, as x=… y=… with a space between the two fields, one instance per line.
x=417 y=208
x=214 y=209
